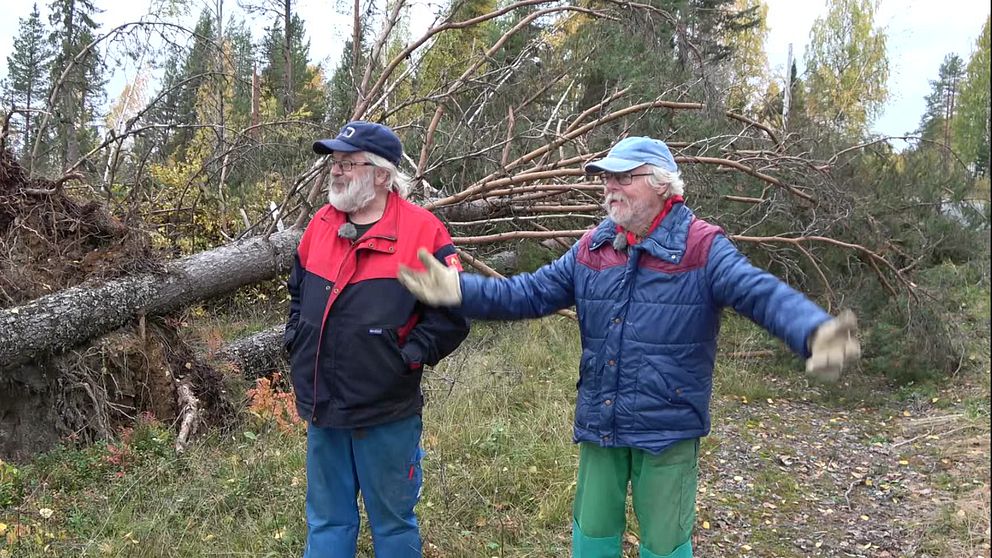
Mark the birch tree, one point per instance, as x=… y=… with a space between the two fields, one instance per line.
x=847 y=67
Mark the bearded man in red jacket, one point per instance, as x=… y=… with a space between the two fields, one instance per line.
x=358 y=342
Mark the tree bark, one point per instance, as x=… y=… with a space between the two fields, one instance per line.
x=259 y=354
x=65 y=319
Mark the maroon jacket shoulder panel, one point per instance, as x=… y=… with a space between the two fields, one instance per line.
x=602 y=258
x=697 y=250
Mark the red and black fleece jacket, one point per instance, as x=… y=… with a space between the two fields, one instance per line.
x=357 y=339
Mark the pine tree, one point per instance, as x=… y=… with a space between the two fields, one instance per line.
x=746 y=66
x=939 y=116
x=77 y=85
x=28 y=69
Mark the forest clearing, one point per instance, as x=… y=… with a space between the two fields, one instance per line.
x=146 y=241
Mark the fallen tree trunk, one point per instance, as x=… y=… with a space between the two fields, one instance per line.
x=259 y=354
x=54 y=323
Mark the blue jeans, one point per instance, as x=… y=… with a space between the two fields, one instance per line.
x=383 y=463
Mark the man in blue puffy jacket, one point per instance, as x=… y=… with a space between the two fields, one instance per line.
x=649 y=284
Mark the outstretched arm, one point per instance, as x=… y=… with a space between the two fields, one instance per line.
x=827 y=343
x=528 y=295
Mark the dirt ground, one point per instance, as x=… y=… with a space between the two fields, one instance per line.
x=792 y=478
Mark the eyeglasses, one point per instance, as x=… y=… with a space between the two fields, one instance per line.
x=621 y=178
x=347 y=166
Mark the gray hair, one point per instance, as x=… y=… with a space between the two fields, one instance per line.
x=398 y=182
x=660 y=178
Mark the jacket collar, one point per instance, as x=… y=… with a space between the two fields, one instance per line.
x=667 y=241
x=605 y=232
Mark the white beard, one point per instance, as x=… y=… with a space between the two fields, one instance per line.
x=358 y=193
x=622 y=214
x=634 y=218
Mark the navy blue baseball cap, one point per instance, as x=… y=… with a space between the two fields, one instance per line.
x=363 y=136
x=630 y=153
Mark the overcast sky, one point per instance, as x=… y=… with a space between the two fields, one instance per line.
x=920 y=34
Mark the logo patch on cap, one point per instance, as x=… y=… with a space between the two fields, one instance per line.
x=348 y=132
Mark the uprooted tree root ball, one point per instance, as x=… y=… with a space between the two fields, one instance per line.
x=50 y=241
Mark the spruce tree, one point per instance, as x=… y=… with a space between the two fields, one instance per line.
x=941 y=108
x=304 y=93
x=77 y=84
x=27 y=81
x=185 y=74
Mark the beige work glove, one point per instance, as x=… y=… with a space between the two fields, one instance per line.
x=437 y=286
x=834 y=345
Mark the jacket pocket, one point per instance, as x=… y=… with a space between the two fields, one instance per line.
x=314 y=292
x=661 y=401
x=288 y=336
x=587 y=387
x=302 y=358
x=369 y=366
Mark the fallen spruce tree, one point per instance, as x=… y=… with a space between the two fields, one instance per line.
x=86 y=344
x=62 y=320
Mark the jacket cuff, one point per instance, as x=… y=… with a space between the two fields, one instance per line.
x=413 y=356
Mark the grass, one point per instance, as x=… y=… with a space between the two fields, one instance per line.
x=499 y=471
x=500 y=464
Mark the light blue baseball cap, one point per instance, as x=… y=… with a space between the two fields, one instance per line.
x=630 y=153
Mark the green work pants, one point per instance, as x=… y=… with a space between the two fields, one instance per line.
x=664 y=491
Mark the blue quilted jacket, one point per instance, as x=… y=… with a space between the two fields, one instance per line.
x=649 y=319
